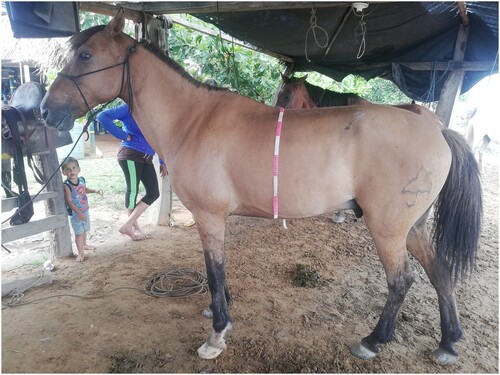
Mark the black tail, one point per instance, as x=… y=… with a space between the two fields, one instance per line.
x=458 y=210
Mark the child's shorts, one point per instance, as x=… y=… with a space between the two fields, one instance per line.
x=80 y=227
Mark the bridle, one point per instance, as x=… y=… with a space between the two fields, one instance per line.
x=125 y=72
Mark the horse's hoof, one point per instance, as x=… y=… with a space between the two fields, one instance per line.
x=444 y=358
x=361 y=351
x=337 y=219
x=208 y=352
x=207 y=313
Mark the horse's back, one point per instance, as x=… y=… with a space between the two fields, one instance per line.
x=329 y=156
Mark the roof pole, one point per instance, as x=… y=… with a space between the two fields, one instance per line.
x=453 y=85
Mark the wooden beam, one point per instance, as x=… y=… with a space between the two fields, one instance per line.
x=34 y=227
x=9 y=204
x=462 y=8
x=110 y=10
x=60 y=236
x=453 y=84
x=451 y=65
x=179 y=7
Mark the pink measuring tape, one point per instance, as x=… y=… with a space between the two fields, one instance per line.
x=276 y=160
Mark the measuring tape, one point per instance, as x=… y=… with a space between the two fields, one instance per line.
x=276 y=160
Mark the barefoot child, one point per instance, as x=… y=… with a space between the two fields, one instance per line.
x=75 y=195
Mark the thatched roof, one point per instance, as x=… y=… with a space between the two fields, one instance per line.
x=44 y=54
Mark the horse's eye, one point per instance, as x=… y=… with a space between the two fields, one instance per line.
x=84 y=56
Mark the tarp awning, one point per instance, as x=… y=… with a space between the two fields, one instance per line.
x=397 y=35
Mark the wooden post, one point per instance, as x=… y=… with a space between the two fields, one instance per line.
x=161 y=210
x=60 y=238
x=453 y=85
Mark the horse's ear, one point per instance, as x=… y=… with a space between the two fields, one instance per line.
x=303 y=79
x=285 y=78
x=115 y=26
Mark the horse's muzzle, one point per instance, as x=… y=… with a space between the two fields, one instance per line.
x=59 y=117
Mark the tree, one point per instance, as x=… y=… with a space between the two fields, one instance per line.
x=239 y=69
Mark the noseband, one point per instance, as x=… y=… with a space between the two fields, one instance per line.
x=126 y=71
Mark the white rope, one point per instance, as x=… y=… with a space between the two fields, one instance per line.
x=313 y=28
x=362 y=26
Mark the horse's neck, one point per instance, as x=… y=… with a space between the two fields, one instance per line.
x=327 y=98
x=165 y=104
x=303 y=99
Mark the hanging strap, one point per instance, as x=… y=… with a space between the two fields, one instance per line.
x=276 y=160
x=37 y=173
x=19 y=172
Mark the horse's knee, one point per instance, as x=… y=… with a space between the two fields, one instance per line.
x=399 y=286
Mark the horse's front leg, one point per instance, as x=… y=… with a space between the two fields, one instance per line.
x=211 y=229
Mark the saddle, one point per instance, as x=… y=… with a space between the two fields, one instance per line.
x=36 y=138
x=24 y=134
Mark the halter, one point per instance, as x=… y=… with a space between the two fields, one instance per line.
x=126 y=70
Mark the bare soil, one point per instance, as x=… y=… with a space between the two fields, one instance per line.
x=94 y=318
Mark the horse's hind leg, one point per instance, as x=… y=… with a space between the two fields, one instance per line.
x=420 y=247
x=393 y=255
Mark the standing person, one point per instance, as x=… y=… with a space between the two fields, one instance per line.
x=75 y=195
x=135 y=157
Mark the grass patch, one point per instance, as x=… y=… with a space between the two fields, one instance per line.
x=306 y=277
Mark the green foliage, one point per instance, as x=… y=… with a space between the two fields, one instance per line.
x=89 y=19
x=232 y=66
x=376 y=90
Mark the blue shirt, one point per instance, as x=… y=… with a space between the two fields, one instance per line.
x=137 y=141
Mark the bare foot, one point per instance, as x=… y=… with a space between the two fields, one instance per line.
x=129 y=231
x=89 y=247
x=141 y=234
x=80 y=258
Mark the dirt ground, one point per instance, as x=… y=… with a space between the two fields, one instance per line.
x=94 y=318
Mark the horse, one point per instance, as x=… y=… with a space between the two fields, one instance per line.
x=479 y=133
x=298 y=93
x=221 y=151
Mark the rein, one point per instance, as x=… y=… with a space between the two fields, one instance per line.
x=125 y=72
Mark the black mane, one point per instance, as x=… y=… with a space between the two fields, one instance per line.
x=175 y=66
x=78 y=39
x=327 y=98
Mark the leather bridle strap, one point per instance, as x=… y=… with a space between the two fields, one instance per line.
x=126 y=71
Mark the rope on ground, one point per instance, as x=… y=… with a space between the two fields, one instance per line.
x=170 y=283
x=176 y=283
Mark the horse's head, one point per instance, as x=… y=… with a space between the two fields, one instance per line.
x=94 y=74
x=293 y=94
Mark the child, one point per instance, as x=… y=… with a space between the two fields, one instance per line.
x=75 y=195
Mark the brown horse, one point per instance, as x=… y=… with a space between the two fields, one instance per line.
x=219 y=147
x=298 y=93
